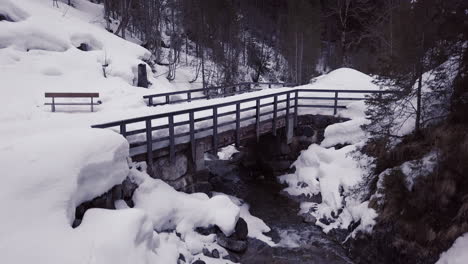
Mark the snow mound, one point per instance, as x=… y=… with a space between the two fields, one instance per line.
x=335 y=174
x=457 y=254
x=345 y=79
x=48 y=175
x=348 y=132
x=172 y=210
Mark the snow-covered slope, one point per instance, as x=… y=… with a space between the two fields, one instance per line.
x=52 y=161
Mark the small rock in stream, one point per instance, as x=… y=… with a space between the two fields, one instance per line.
x=231 y=243
x=207 y=252
x=181 y=259
x=241 y=229
x=308 y=218
x=215 y=253
x=232 y=258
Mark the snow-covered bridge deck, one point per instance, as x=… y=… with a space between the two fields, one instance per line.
x=226 y=123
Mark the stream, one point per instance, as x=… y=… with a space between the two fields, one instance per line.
x=299 y=242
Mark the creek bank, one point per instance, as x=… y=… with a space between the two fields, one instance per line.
x=251 y=176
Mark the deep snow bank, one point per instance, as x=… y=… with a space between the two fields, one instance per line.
x=336 y=174
x=48 y=175
x=45 y=177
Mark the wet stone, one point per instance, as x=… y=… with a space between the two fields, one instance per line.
x=241 y=229
x=215 y=253
x=232 y=244
x=207 y=252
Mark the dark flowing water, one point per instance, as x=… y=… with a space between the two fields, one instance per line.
x=279 y=212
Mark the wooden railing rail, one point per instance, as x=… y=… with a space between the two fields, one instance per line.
x=209 y=92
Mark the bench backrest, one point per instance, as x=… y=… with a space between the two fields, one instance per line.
x=71 y=94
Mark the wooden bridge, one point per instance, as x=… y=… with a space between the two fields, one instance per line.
x=207 y=128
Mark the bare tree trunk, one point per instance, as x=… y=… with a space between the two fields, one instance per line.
x=419 y=89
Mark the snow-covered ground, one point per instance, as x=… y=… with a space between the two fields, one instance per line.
x=52 y=162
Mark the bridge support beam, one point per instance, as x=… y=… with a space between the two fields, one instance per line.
x=289 y=130
x=197 y=157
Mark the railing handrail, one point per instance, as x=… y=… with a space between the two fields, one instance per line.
x=233 y=102
x=214 y=88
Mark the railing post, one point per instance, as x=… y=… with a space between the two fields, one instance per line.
x=296 y=102
x=123 y=130
x=288 y=105
x=215 y=130
x=289 y=127
x=192 y=135
x=275 y=114
x=269 y=85
x=237 y=125
x=92 y=104
x=150 y=101
x=257 y=120
x=335 y=107
x=171 y=139
x=149 y=146
x=189 y=96
x=167 y=99
x=53 y=104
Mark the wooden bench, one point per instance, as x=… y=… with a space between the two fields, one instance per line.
x=72 y=95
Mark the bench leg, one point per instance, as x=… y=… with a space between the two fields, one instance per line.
x=92 y=105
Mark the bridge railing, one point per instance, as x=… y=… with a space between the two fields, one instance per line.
x=208 y=92
x=167 y=130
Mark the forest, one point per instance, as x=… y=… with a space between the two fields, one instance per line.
x=294 y=41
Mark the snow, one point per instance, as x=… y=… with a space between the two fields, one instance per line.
x=457 y=254
x=53 y=162
x=345 y=79
x=46 y=181
x=255 y=225
x=227 y=152
x=336 y=174
x=417 y=168
x=349 y=132
x=180 y=211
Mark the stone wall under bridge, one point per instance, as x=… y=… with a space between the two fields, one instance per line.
x=273 y=154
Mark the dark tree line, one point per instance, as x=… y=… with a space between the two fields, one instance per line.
x=297 y=39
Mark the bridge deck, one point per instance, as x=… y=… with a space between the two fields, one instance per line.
x=224 y=123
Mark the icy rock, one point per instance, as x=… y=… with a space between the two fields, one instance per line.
x=215 y=253
x=241 y=229
x=199 y=262
x=128 y=188
x=207 y=252
x=232 y=244
x=308 y=218
x=206 y=230
x=167 y=171
x=232 y=258
x=181 y=259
